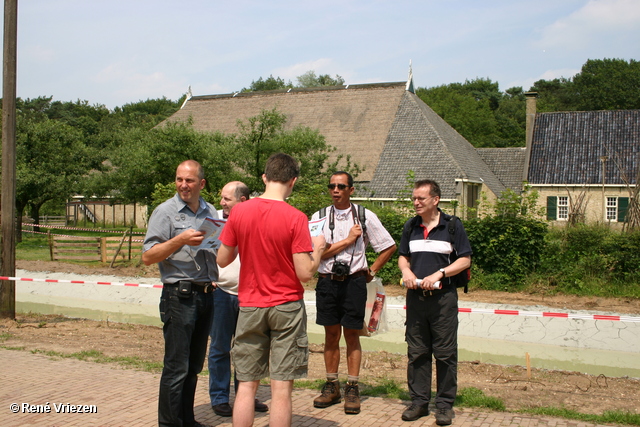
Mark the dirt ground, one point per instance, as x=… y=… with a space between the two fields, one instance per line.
x=513 y=384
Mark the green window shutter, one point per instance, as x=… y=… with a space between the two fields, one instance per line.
x=552 y=207
x=623 y=207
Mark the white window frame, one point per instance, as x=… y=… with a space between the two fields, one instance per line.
x=611 y=211
x=562 y=208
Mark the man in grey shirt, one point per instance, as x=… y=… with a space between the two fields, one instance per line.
x=187 y=273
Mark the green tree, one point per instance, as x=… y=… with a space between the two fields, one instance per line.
x=270 y=83
x=508 y=241
x=555 y=95
x=255 y=143
x=143 y=158
x=311 y=192
x=510 y=120
x=146 y=114
x=263 y=135
x=51 y=161
x=466 y=109
x=608 y=84
x=309 y=79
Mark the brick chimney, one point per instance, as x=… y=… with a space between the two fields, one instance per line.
x=530 y=122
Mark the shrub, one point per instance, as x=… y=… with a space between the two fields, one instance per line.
x=393 y=221
x=508 y=246
x=591 y=260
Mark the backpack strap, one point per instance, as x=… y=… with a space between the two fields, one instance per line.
x=452 y=233
x=362 y=218
x=452 y=227
x=322 y=213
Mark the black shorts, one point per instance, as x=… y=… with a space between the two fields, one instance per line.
x=341 y=302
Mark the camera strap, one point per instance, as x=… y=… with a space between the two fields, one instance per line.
x=332 y=225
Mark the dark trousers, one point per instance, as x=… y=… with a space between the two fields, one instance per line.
x=432 y=330
x=186 y=329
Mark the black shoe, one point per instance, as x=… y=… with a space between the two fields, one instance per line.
x=197 y=424
x=444 y=416
x=260 y=407
x=414 y=412
x=223 y=409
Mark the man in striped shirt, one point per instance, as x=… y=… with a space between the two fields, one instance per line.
x=426 y=249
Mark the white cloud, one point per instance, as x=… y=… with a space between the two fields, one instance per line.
x=320 y=66
x=556 y=74
x=38 y=54
x=95 y=51
x=595 y=21
x=547 y=75
x=131 y=86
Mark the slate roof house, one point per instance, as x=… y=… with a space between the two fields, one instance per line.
x=507 y=163
x=584 y=164
x=385 y=127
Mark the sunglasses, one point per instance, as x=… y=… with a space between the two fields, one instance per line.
x=340 y=186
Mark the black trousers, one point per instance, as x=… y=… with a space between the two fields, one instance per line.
x=187 y=322
x=432 y=331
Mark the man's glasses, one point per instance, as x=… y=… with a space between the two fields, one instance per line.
x=421 y=199
x=340 y=186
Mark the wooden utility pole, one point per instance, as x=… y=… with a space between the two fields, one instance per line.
x=8 y=257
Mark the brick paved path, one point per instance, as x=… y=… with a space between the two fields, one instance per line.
x=129 y=398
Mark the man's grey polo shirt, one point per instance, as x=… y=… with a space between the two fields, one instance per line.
x=167 y=221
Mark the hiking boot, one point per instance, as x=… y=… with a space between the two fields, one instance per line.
x=415 y=411
x=260 y=407
x=444 y=416
x=351 y=399
x=223 y=409
x=330 y=395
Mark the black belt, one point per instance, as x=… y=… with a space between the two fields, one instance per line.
x=343 y=278
x=433 y=292
x=204 y=287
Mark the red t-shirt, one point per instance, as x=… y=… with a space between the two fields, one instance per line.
x=267 y=234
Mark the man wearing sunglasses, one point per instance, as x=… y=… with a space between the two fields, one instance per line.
x=341 y=292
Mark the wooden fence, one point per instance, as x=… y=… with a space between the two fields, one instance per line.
x=103 y=249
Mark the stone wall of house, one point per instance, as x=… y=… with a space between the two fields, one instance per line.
x=593 y=200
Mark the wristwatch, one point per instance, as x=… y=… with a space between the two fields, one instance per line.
x=372 y=273
x=443 y=273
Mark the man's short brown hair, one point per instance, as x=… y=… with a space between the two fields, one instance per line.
x=434 y=188
x=281 y=167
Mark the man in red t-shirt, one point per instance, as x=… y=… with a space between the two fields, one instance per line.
x=277 y=254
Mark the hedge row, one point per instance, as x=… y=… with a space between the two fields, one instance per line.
x=511 y=253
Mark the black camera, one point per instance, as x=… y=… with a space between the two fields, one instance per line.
x=340 y=269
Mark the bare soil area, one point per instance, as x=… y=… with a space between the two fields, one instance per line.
x=513 y=384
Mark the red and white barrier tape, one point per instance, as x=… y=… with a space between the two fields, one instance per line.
x=391 y=306
x=64 y=227
x=68 y=235
x=46 y=234
x=538 y=314
x=23 y=279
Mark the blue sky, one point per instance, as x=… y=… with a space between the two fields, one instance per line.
x=114 y=52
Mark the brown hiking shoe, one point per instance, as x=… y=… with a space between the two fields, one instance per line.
x=444 y=416
x=330 y=395
x=351 y=399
